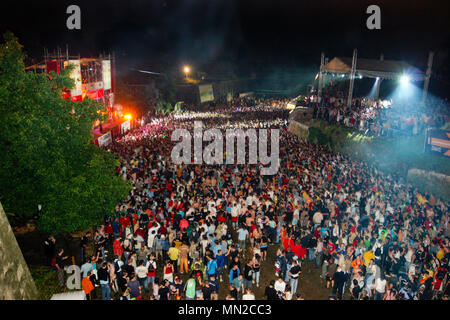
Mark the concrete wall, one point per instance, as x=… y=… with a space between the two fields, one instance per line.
x=298 y=128
x=437 y=184
x=16 y=282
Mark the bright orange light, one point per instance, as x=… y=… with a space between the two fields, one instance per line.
x=127 y=116
x=186 y=69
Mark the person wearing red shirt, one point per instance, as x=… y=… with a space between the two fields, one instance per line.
x=140 y=232
x=297 y=250
x=163 y=230
x=124 y=223
x=331 y=247
x=183 y=224
x=117 y=247
x=109 y=229
x=288 y=242
x=440 y=275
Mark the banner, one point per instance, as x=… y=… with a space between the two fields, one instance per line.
x=206 y=93
x=106 y=68
x=92 y=86
x=105 y=139
x=52 y=66
x=245 y=94
x=438 y=141
x=75 y=75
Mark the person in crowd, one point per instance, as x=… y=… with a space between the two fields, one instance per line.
x=105 y=281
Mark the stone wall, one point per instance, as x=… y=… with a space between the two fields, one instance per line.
x=437 y=184
x=16 y=282
x=298 y=128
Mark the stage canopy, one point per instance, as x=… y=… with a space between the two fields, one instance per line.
x=371 y=68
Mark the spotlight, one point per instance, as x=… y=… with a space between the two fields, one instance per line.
x=404 y=80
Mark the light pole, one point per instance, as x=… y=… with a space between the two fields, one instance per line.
x=186 y=70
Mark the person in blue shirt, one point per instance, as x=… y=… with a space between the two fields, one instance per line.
x=214 y=284
x=213 y=244
x=211 y=267
x=165 y=246
x=221 y=261
x=116 y=228
x=234 y=273
x=224 y=244
x=323 y=231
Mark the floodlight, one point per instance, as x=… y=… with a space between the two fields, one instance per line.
x=404 y=79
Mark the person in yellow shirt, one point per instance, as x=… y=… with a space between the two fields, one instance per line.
x=421 y=200
x=177 y=243
x=173 y=255
x=368 y=255
x=440 y=254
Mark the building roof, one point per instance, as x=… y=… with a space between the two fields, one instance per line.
x=388 y=69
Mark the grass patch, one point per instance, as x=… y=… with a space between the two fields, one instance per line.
x=46 y=281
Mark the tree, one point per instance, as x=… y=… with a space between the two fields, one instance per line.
x=47 y=157
x=164 y=108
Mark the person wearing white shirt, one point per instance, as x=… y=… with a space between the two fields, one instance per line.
x=280 y=285
x=249 y=200
x=380 y=287
x=248 y=295
x=151 y=240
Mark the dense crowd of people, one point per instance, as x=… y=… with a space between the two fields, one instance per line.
x=380 y=117
x=208 y=232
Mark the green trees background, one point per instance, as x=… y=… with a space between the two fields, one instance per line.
x=46 y=155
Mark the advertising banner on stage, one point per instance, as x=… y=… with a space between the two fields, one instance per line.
x=75 y=75
x=438 y=141
x=206 y=92
x=106 y=67
x=105 y=139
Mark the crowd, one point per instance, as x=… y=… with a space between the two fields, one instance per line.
x=381 y=117
x=214 y=232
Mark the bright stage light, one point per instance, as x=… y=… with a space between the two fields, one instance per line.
x=127 y=116
x=186 y=69
x=404 y=80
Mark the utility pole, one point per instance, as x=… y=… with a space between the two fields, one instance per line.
x=378 y=82
x=319 y=89
x=352 y=78
x=427 y=77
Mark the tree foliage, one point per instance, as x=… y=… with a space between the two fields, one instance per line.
x=47 y=157
x=164 y=107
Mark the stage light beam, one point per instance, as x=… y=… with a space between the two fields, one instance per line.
x=404 y=79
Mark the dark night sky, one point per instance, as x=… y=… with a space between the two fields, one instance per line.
x=252 y=35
